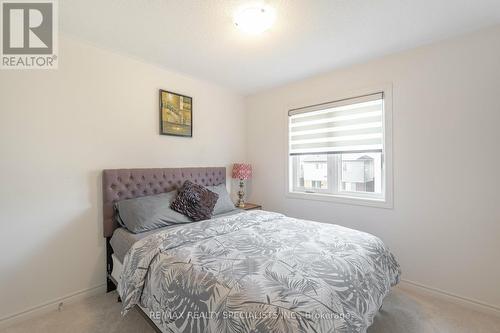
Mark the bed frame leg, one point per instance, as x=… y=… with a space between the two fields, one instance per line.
x=110 y=285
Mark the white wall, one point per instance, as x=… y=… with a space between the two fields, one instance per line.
x=58 y=130
x=445 y=225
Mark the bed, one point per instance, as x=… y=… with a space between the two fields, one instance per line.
x=245 y=271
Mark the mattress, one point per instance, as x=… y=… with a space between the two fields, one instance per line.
x=122 y=239
x=117 y=268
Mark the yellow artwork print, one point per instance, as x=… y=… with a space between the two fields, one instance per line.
x=176 y=114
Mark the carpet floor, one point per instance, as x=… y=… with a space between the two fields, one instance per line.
x=404 y=311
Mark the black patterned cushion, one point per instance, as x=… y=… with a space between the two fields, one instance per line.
x=195 y=201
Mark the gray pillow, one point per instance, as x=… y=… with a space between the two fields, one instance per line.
x=148 y=213
x=224 y=203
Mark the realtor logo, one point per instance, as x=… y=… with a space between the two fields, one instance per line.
x=29 y=34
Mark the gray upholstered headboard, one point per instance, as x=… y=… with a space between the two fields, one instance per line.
x=120 y=184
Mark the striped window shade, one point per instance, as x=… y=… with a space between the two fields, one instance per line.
x=347 y=126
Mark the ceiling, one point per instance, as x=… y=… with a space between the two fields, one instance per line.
x=198 y=37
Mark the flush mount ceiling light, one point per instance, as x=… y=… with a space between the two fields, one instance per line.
x=255 y=18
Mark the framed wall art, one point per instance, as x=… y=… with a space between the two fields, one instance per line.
x=176 y=114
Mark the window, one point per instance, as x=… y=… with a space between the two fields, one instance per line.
x=339 y=149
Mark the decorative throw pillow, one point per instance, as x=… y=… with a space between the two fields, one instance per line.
x=195 y=201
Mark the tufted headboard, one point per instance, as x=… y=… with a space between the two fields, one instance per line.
x=120 y=184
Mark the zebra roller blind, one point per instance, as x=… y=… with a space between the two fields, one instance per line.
x=346 y=126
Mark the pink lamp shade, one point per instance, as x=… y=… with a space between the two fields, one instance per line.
x=242 y=171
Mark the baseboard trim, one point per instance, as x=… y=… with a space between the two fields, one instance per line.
x=52 y=305
x=465 y=301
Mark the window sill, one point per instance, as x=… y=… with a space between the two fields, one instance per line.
x=348 y=200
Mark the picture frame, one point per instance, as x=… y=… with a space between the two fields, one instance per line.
x=176 y=114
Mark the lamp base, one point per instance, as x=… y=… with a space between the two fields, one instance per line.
x=241 y=194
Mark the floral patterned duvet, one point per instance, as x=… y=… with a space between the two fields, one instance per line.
x=258 y=271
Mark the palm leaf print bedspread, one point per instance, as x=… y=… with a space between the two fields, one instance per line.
x=259 y=271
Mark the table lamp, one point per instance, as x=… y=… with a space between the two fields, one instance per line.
x=241 y=171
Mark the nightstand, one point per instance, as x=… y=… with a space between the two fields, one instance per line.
x=250 y=206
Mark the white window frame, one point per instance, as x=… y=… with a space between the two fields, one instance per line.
x=299 y=189
x=352 y=198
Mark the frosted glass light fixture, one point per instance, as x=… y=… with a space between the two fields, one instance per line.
x=254 y=19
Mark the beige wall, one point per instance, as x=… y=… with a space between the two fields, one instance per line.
x=58 y=130
x=445 y=225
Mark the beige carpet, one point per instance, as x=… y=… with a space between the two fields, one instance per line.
x=404 y=311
